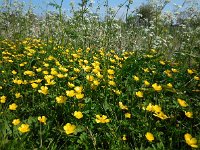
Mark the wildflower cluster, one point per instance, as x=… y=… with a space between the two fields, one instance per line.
x=92 y=97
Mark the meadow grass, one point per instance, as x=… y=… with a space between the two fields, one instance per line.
x=98 y=88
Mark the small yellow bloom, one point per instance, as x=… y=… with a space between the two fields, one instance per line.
x=70 y=93
x=42 y=119
x=3 y=99
x=189 y=114
x=123 y=107
x=43 y=90
x=136 y=78
x=190 y=140
x=79 y=95
x=24 y=128
x=162 y=62
x=13 y=106
x=169 y=85
x=14 y=72
x=102 y=119
x=18 y=95
x=78 y=114
x=71 y=85
x=182 y=103
x=112 y=83
x=34 y=85
x=110 y=71
x=16 y=122
x=90 y=78
x=78 y=89
x=124 y=137
x=127 y=115
x=149 y=107
x=69 y=128
x=157 y=87
x=146 y=83
x=149 y=136
x=196 y=78
x=190 y=71
x=61 y=99
x=139 y=94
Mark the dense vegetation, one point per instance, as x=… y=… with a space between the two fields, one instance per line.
x=88 y=81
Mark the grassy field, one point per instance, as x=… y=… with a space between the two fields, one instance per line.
x=82 y=83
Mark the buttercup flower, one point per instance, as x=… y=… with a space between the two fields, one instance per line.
x=189 y=114
x=3 y=99
x=149 y=136
x=24 y=128
x=13 y=106
x=43 y=90
x=42 y=119
x=61 y=99
x=69 y=128
x=127 y=115
x=139 y=94
x=78 y=114
x=16 y=122
x=182 y=103
x=102 y=119
x=190 y=140
x=157 y=87
x=123 y=107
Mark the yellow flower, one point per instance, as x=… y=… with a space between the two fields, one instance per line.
x=110 y=71
x=169 y=85
x=149 y=107
x=196 y=78
x=157 y=87
x=70 y=93
x=43 y=90
x=69 y=128
x=18 y=95
x=90 y=78
x=162 y=62
x=127 y=115
x=189 y=114
x=61 y=99
x=190 y=140
x=102 y=119
x=156 y=108
x=42 y=119
x=13 y=106
x=78 y=114
x=190 y=71
x=136 y=78
x=182 y=103
x=16 y=122
x=96 y=82
x=174 y=70
x=124 y=137
x=3 y=99
x=123 y=107
x=14 y=72
x=161 y=115
x=71 y=85
x=78 y=89
x=24 y=128
x=149 y=136
x=146 y=83
x=112 y=83
x=34 y=85
x=79 y=95
x=139 y=94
